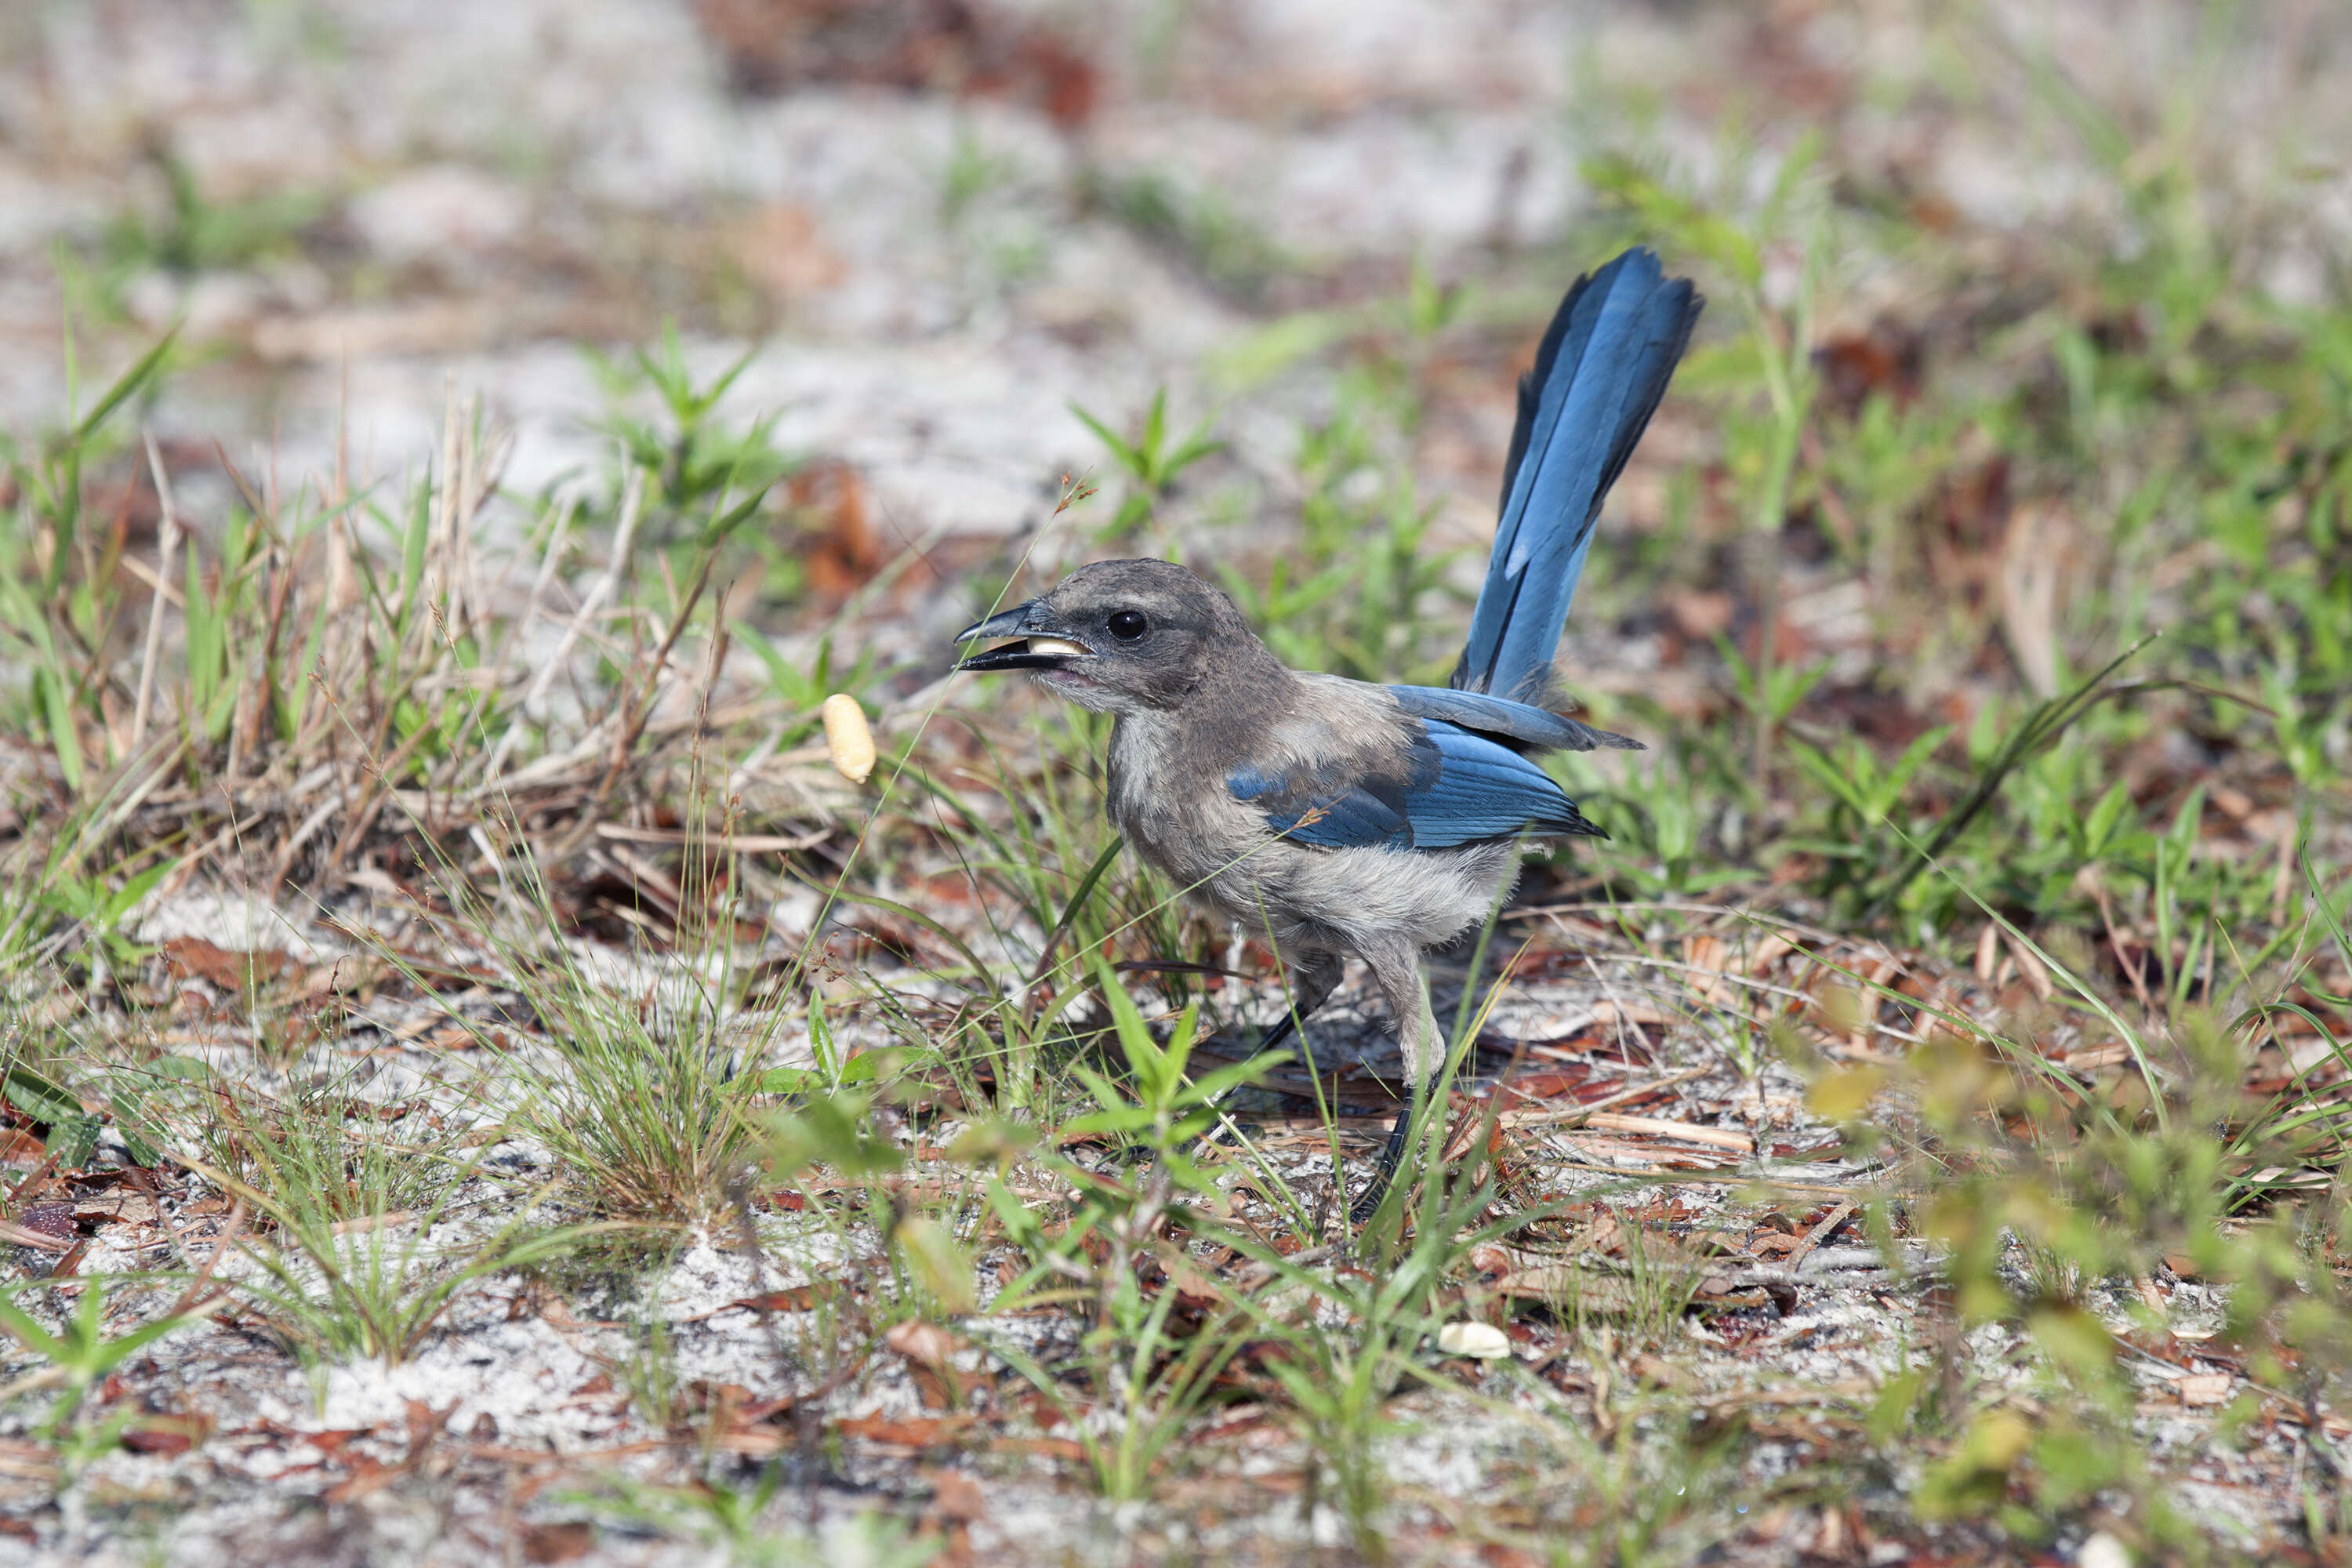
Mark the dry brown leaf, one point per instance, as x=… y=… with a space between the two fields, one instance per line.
x=920 y=1431
x=956 y=1496
x=1708 y=955
x=193 y=958
x=1607 y=1012
x=927 y=1344
x=557 y=1543
x=168 y=1433
x=795 y=1298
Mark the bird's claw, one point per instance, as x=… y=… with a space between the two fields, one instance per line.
x=1384 y=1170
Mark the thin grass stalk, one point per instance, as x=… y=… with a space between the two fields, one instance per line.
x=167 y=539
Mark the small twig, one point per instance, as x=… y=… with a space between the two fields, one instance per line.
x=624 y=538
x=365 y=1223
x=734 y=844
x=1569 y=1116
x=2116 y=944
x=371 y=803
x=633 y=715
x=167 y=539
x=1818 y=1233
x=547 y=565
x=1680 y=1131
x=25 y=1235
x=230 y=1229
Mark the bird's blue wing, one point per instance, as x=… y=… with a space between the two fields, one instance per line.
x=1455 y=787
x=1483 y=791
x=1334 y=812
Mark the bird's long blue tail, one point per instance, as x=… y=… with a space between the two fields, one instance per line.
x=1604 y=364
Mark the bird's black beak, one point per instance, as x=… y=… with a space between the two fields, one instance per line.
x=1038 y=648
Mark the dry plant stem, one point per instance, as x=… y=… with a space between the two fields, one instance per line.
x=1764 y=566
x=380 y=783
x=173 y=757
x=167 y=539
x=25 y=1235
x=548 y=565
x=455 y=451
x=1818 y=1233
x=2116 y=944
x=231 y=1228
x=1570 y=1116
x=625 y=538
x=633 y=714
x=254 y=709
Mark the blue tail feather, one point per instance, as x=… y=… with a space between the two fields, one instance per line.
x=1603 y=365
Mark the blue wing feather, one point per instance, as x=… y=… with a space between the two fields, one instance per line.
x=1537 y=726
x=1485 y=790
x=1459 y=787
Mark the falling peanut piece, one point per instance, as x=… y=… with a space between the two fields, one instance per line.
x=847 y=738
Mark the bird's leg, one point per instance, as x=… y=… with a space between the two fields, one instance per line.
x=1401 y=981
x=1311 y=984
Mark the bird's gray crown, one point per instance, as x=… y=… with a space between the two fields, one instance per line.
x=1122 y=636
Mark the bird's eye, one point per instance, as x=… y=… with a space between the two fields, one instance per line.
x=1128 y=625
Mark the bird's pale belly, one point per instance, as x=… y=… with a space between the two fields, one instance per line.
x=1333 y=899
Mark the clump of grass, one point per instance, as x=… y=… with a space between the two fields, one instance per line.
x=648 y=1093
x=82 y=1355
x=344 y=1259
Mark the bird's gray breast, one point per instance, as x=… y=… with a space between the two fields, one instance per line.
x=1173 y=807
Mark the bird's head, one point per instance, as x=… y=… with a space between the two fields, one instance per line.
x=1118 y=636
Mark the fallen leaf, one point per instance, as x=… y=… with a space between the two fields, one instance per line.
x=1488 y=1258
x=1530 y=1087
x=193 y=958
x=930 y=1351
x=795 y=1298
x=1708 y=956
x=1607 y=1012
x=1052 y=1448
x=928 y=1343
x=124 y=1207
x=921 y=1432
x=557 y=1543
x=956 y=1496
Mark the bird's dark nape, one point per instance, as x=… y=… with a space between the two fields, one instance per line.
x=1603 y=366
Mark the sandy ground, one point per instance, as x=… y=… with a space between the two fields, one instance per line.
x=464 y=192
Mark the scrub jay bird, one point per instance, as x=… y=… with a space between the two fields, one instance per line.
x=1344 y=818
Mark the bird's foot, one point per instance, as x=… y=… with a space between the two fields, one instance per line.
x=1229 y=1132
x=1384 y=1170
